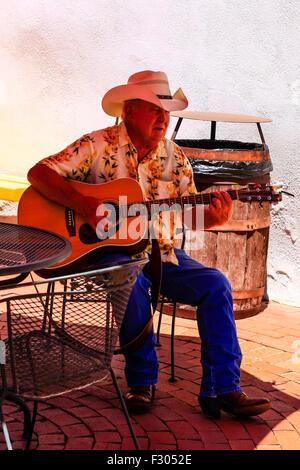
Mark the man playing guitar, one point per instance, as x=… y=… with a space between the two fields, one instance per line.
x=137 y=149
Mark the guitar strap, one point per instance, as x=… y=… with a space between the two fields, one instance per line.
x=155 y=269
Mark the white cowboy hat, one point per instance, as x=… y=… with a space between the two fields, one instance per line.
x=148 y=86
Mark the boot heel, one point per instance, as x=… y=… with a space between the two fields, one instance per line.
x=210 y=406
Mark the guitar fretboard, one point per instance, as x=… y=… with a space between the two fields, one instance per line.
x=182 y=201
x=250 y=194
x=193 y=199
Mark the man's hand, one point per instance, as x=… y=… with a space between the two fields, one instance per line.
x=219 y=210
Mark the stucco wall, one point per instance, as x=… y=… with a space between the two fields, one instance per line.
x=58 y=58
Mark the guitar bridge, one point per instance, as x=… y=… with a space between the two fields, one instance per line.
x=70 y=222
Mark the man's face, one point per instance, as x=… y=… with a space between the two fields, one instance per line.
x=148 y=122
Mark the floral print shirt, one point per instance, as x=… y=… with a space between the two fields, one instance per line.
x=109 y=154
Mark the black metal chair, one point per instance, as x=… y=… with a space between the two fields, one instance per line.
x=167 y=300
x=62 y=337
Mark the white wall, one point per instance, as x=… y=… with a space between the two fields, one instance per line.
x=58 y=58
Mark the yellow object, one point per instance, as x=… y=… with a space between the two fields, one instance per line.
x=12 y=188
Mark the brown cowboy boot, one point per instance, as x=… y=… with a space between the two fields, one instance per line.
x=236 y=403
x=239 y=404
x=139 y=399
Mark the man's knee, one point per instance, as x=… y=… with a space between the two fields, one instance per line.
x=217 y=283
x=221 y=281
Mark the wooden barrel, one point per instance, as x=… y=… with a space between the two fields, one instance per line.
x=239 y=248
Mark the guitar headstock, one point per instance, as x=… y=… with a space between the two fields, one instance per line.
x=260 y=193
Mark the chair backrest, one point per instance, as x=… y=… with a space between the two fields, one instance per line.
x=63 y=336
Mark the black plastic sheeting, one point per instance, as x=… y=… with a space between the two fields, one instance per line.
x=221 y=169
x=227 y=169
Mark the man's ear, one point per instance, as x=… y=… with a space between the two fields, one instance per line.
x=128 y=110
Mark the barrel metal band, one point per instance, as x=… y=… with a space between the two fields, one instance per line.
x=242 y=225
x=248 y=293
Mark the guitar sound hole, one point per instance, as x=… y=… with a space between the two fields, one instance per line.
x=88 y=236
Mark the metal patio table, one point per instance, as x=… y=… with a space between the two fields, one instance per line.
x=56 y=341
x=24 y=249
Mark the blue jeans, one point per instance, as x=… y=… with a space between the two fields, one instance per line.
x=190 y=283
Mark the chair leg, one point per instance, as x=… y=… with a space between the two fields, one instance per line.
x=158 y=344
x=9 y=396
x=28 y=421
x=5 y=430
x=32 y=423
x=124 y=407
x=173 y=378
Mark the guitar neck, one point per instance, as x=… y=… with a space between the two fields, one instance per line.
x=181 y=201
x=192 y=200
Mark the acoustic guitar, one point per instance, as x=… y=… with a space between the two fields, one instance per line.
x=129 y=215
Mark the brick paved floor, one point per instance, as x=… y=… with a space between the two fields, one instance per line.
x=92 y=419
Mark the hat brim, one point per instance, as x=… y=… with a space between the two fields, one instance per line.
x=114 y=99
